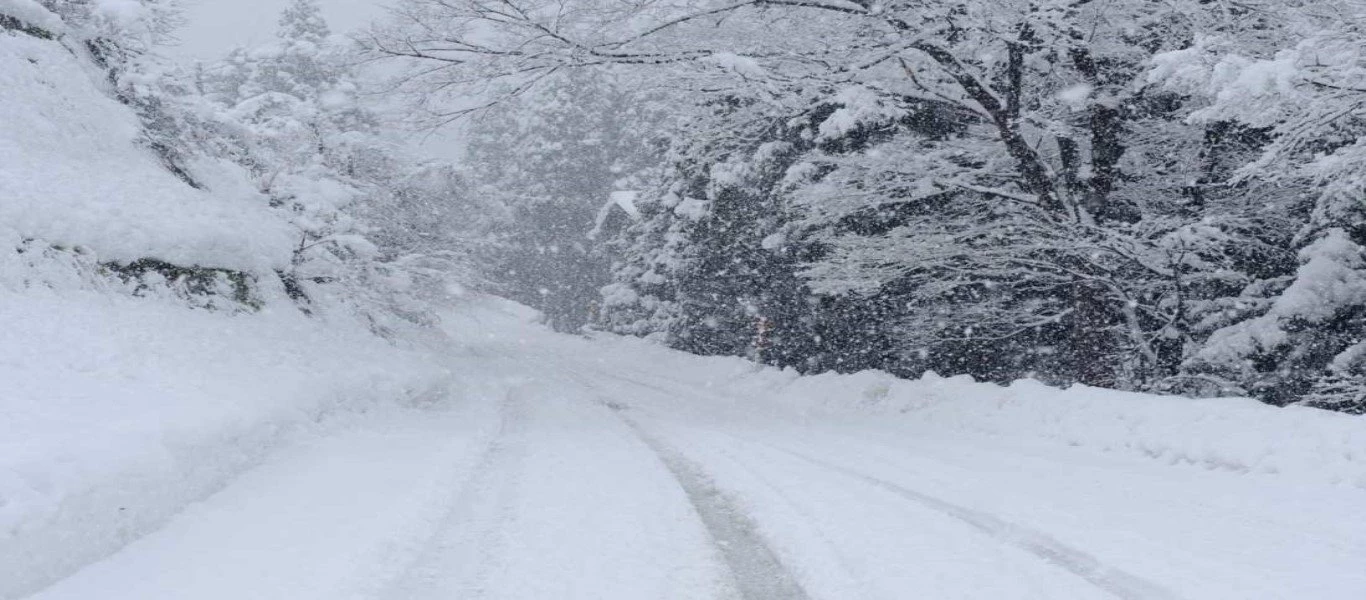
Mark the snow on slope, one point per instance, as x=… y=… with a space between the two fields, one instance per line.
x=119 y=410
x=116 y=412
x=1234 y=434
x=73 y=173
x=32 y=14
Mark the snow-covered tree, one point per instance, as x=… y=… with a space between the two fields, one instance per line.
x=1041 y=91
x=1081 y=191
x=282 y=124
x=550 y=160
x=304 y=138
x=1300 y=336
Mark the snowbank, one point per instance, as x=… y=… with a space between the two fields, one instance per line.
x=73 y=172
x=1234 y=434
x=119 y=411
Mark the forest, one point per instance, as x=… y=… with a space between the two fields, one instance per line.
x=1163 y=196
x=1149 y=195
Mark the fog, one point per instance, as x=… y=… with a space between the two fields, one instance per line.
x=216 y=26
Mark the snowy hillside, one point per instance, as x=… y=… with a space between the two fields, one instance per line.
x=76 y=173
x=149 y=349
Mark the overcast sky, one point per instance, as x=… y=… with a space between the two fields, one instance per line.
x=216 y=26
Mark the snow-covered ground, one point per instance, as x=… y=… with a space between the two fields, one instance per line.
x=569 y=467
x=152 y=448
x=117 y=412
x=120 y=402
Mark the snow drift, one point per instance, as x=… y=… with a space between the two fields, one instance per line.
x=1233 y=434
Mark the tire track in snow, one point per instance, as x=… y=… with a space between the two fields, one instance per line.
x=1112 y=580
x=459 y=553
x=757 y=572
x=1117 y=582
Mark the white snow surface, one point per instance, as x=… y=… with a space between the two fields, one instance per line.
x=605 y=467
x=116 y=412
x=743 y=66
x=73 y=172
x=859 y=106
x=33 y=14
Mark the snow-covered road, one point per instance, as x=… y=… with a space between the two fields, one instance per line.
x=569 y=468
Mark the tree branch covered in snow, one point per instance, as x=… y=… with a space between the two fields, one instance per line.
x=1074 y=190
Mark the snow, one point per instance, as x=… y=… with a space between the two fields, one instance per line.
x=1331 y=277
x=75 y=173
x=692 y=208
x=743 y=66
x=626 y=199
x=614 y=294
x=1075 y=96
x=1237 y=435
x=32 y=13
x=121 y=407
x=214 y=28
x=611 y=468
x=149 y=449
x=574 y=497
x=1250 y=90
x=120 y=411
x=124 y=13
x=773 y=241
x=860 y=106
x=382 y=482
x=1328 y=279
x=622 y=199
x=566 y=467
